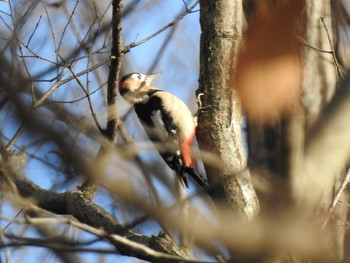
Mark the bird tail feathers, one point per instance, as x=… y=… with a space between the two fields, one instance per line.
x=200 y=179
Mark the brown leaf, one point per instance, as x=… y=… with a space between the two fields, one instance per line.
x=269 y=71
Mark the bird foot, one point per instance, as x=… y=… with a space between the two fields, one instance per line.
x=200 y=105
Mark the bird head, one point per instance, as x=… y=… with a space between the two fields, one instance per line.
x=134 y=86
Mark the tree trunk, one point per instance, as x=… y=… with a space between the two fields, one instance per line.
x=219 y=129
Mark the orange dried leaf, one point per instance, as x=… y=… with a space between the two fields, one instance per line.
x=268 y=70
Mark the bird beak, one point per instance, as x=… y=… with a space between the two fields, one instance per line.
x=151 y=77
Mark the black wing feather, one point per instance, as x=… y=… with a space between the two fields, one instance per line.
x=145 y=112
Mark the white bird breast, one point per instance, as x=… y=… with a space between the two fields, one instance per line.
x=181 y=115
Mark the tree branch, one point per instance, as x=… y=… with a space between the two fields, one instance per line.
x=181 y=16
x=327 y=150
x=114 y=69
x=99 y=222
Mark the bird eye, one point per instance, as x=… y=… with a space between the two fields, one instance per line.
x=139 y=77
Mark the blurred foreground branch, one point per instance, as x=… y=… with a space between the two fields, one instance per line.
x=327 y=150
x=155 y=248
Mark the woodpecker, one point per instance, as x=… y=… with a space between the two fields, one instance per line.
x=166 y=120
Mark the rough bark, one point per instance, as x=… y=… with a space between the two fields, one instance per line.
x=219 y=129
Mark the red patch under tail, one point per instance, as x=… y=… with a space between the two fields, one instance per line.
x=186 y=150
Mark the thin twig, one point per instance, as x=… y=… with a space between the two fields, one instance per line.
x=88 y=99
x=12 y=220
x=92 y=38
x=304 y=42
x=68 y=22
x=335 y=60
x=18 y=133
x=136 y=247
x=7 y=250
x=7 y=14
x=60 y=248
x=171 y=207
x=40 y=101
x=77 y=100
x=16 y=36
x=36 y=27
x=88 y=47
x=35 y=55
x=346 y=204
x=336 y=198
x=129 y=141
x=52 y=33
x=135 y=44
x=130 y=7
x=162 y=49
x=53 y=240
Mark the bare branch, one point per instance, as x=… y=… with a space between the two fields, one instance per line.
x=36 y=27
x=88 y=98
x=96 y=218
x=135 y=44
x=67 y=24
x=336 y=198
x=331 y=132
x=14 y=138
x=52 y=32
x=114 y=69
x=335 y=60
x=59 y=83
x=3 y=244
x=304 y=42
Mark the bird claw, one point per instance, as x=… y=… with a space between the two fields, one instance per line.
x=200 y=104
x=199 y=100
